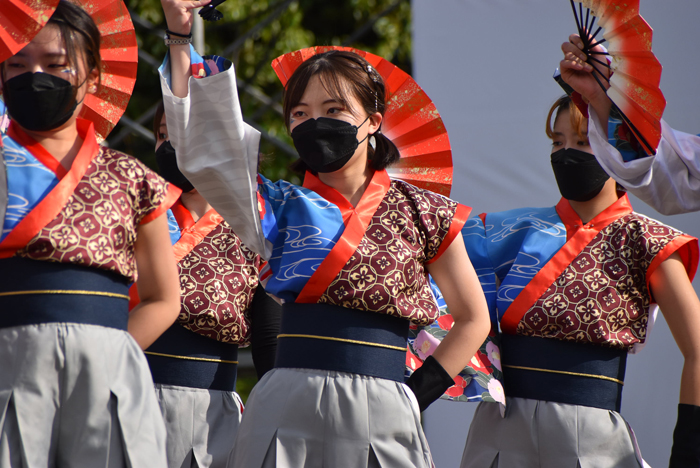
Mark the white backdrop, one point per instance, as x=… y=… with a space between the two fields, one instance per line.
x=487 y=65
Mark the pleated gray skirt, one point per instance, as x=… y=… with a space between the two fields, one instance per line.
x=76 y=395
x=543 y=434
x=306 y=418
x=201 y=425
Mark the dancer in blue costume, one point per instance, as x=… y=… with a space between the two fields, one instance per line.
x=223 y=307
x=348 y=254
x=576 y=288
x=82 y=223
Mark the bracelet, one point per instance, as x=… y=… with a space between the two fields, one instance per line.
x=170 y=33
x=183 y=41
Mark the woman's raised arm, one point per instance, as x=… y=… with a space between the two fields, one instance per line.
x=216 y=150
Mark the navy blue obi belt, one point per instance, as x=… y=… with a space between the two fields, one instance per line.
x=187 y=359
x=563 y=371
x=327 y=337
x=34 y=292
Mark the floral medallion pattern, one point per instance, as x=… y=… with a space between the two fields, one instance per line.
x=387 y=274
x=97 y=226
x=602 y=296
x=218 y=278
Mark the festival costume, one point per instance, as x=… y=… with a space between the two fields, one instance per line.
x=669 y=181
x=74 y=386
x=346 y=275
x=194 y=363
x=571 y=301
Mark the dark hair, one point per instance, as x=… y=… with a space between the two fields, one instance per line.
x=578 y=121
x=157 y=117
x=80 y=35
x=340 y=73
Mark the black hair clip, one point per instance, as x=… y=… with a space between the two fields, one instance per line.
x=210 y=13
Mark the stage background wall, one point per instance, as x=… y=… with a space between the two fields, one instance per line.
x=487 y=65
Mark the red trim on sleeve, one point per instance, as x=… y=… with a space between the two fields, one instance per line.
x=170 y=198
x=687 y=248
x=460 y=217
x=482 y=217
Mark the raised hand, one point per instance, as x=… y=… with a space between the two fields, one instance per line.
x=578 y=73
x=178 y=14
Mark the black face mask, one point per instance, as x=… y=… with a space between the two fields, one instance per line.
x=39 y=101
x=324 y=144
x=167 y=167
x=579 y=176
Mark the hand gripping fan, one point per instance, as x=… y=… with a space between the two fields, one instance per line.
x=636 y=73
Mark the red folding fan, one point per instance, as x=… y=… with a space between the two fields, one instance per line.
x=411 y=121
x=20 y=21
x=634 y=85
x=120 y=56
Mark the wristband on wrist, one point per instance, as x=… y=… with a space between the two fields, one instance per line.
x=429 y=382
x=685 y=452
x=170 y=33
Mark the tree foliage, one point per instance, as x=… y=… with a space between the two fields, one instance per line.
x=251 y=35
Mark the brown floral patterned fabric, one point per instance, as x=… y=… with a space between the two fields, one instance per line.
x=97 y=226
x=218 y=279
x=602 y=296
x=387 y=274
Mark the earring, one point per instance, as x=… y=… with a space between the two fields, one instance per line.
x=373 y=142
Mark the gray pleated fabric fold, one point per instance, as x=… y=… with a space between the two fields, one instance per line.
x=542 y=434
x=76 y=395
x=312 y=418
x=201 y=425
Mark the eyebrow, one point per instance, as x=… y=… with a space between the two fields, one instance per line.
x=48 y=54
x=327 y=101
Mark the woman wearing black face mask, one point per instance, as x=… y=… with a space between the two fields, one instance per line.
x=578 y=289
x=83 y=222
x=349 y=254
x=223 y=306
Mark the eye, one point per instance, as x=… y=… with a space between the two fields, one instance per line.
x=556 y=143
x=162 y=136
x=297 y=114
x=584 y=143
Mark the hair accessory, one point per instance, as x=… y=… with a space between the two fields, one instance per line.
x=170 y=33
x=372 y=74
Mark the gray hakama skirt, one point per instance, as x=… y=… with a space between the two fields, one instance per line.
x=201 y=425
x=318 y=418
x=542 y=434
x=76 y=395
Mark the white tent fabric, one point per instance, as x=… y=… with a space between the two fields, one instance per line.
x=488 y=67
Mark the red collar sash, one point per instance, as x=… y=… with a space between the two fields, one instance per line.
x=579 y=235
x=193 y=233
x=356 y=221
x=54 y=201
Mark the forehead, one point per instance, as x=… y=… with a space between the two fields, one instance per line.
x=563 y=124
x=47 y=42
